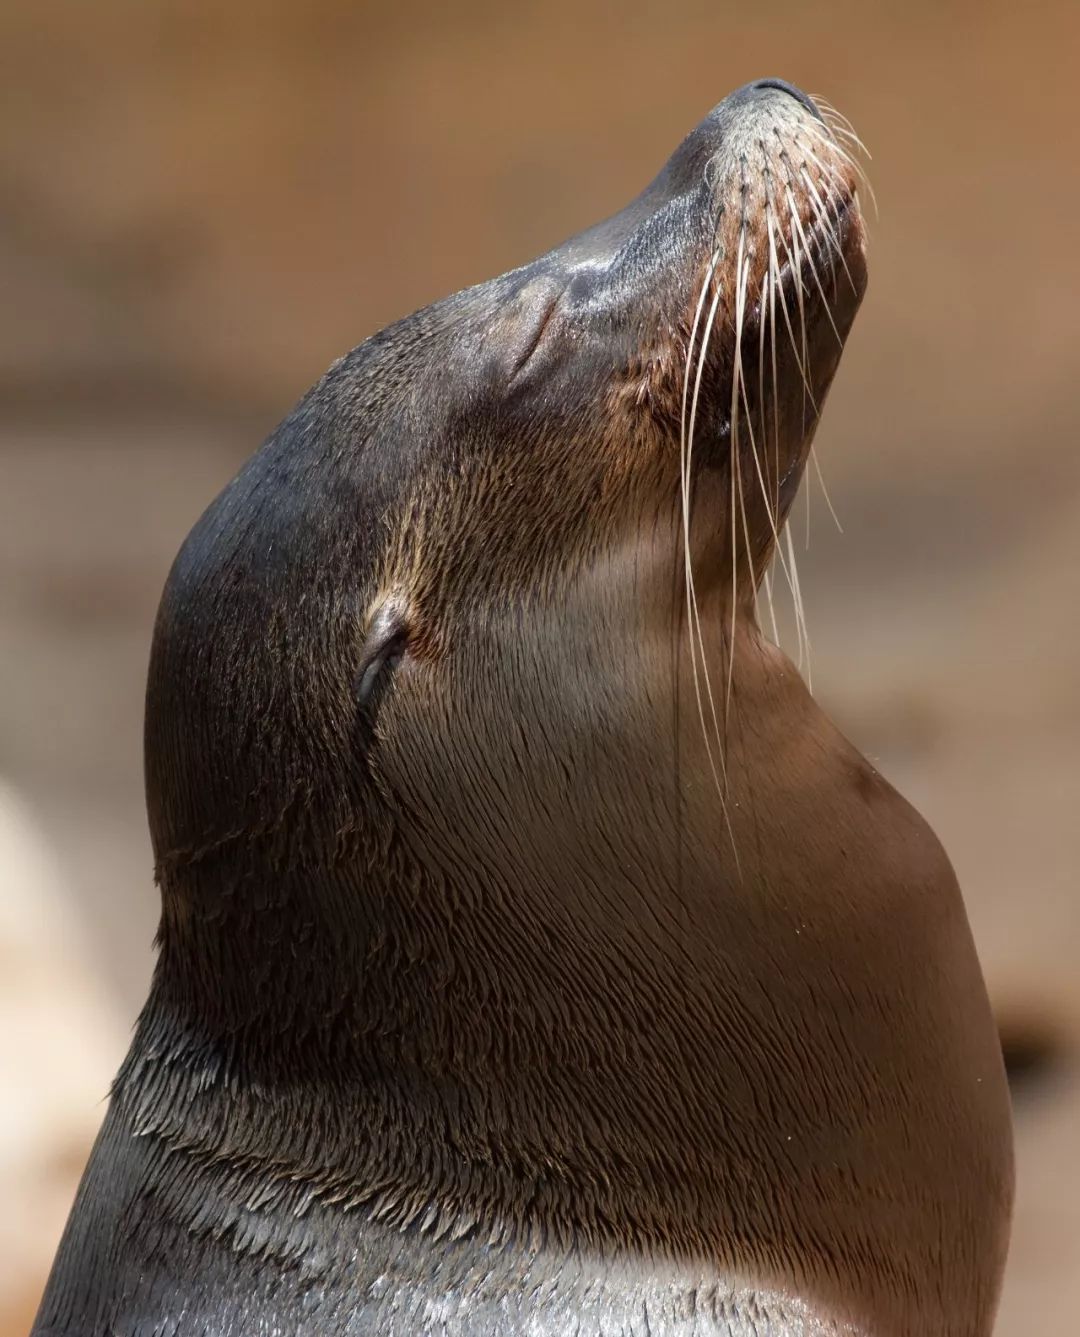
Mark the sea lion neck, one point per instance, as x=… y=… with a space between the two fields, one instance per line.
x=504 y=1036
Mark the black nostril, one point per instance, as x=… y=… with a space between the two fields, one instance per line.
x=797 y=93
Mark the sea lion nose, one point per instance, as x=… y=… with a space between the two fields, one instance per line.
x=784 y=87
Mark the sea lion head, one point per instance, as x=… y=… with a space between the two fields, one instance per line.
x=474 y=492
x=495 y=843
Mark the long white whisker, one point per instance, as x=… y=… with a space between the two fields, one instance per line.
x=839 y=124
x=836 y=149
x=739 y=387
x=721 y=785
x=800 y=296
x=824 y=489
x=686 y=447
x=800 y=612
x=827 y=218
x=774 y=283
x=750 y=422
x=774 y=259
x=796 y=223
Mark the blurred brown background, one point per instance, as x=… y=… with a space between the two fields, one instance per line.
x=201 y=205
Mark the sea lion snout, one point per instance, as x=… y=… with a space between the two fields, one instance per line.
x=753 y=221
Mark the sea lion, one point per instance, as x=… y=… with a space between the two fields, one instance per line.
x=535 y=955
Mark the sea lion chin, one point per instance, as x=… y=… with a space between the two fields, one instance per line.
x=535 y=955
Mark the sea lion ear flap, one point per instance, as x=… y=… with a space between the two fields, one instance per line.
x=385 y=644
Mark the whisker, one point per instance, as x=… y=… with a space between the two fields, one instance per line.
x=824 y=489
x=802 y=634
x=735 y=454
x=800 y=296
x=796 y=223
x=686 y=449
x=839 y=124
x=721 y=787
x=774 y=283
x=770 y=513
x=772 y=606
x=827 y=218
x=774 y=233
x=838 y=150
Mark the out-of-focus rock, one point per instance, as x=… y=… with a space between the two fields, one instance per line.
x=59 y=1034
